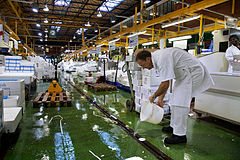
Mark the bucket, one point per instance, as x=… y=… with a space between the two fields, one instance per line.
x=151 y=113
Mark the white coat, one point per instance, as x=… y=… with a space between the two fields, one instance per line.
x=231 y=51
x=192 y=77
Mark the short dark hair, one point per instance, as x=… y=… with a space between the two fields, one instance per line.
x=142 y=55
x=233 y=36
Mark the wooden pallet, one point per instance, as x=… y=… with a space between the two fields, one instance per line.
x=52 y=100
x=102 y=87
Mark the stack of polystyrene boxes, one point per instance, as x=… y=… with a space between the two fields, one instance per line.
x=145 y=84
x=14 y=88
x=13 y=63
x=1 y=110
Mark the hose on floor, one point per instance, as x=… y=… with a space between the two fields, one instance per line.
x=59 y=122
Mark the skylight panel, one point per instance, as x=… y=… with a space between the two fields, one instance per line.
x=56 y=27
x=64 y=3
x=79 y=31
x=109 y=5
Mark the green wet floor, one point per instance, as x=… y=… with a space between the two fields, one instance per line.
x=87 y=129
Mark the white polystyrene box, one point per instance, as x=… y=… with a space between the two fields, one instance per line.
x=12 y=117
x=150 y=81
x=137 y=75
x=138 y=108
x=130 y=58
x=11 y=101
x=150 y=73
x=14 y=88
x=133 y=66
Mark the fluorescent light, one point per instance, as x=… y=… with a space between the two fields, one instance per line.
x=46 y=31
x=149 y=43
x=115 y=40
x=100 y=45
x=46 y=39
x=46 y=9
x=180 y=38
x=137 y=33
x=180 y=21
x=46 y=36
x=74 y=37
x=70 y=40
x=40 y=34
x=41 y=40
x=38 y=25
x=99 y=14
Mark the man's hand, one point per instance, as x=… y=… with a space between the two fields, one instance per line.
x=151 y=99
x=160 y=102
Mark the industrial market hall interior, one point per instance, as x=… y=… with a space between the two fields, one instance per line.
x=119 y=79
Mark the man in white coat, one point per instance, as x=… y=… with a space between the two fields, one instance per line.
x=191 y=78
x=234 y=49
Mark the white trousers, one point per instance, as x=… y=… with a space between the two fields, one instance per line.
x=179 y=116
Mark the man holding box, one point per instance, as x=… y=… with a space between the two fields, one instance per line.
x=191 y=77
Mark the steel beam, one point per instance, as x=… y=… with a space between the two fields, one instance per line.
x=16 y=12
x=193 y=8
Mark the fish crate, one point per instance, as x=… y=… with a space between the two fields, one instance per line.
x=102 y=87
x=52 y=99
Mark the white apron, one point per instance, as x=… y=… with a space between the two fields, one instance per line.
x=189 y=83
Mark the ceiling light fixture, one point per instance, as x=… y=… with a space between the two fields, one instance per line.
x=113 y=19
x=40 y=34
x=96 y=29
x=180 y=21
x=46 y=9
x=74 y=37
x=41 y=39
x=46 y=39
x=46 y=36
x=136 y=34
x=70 y=40
x=88 y=24
x=38 y=24
x=35 y=8
x=180 y=38
x=146 y=1
x=149 y=43
x=99 y=14
x=45 y=21
x=115 y=40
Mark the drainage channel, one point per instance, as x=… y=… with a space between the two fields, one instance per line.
x=150 y=147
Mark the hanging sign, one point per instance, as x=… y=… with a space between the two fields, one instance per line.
x=112 y=46
x=15 y=44
x=133 y=41
x=93 y=51
x=98 y=50
x=6 y=37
